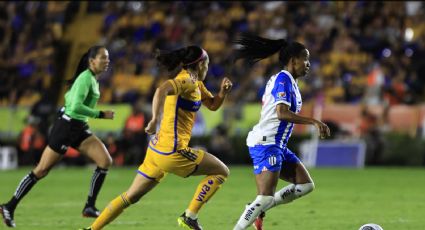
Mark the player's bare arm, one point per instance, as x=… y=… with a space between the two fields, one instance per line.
x=283 y=113
x=215 y=102
x=158 y=104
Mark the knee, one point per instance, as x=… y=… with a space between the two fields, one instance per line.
x=311 y=186
x=222 y=176
x=106 y=162
x=221 y=172
x=225 y=172
x=305 y=188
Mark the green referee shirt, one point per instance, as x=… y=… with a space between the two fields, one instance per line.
x=81 y=99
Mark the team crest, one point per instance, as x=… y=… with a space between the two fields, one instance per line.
x=281 y=95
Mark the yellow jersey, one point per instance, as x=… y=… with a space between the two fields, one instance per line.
x=179 y=114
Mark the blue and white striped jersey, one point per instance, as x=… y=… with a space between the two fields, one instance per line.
x=281 y=88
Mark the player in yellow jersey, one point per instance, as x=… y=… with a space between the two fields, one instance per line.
x=174 y=105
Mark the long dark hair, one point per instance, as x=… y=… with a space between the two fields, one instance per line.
x=186 y=57
x=84 y=62
x=255 y=48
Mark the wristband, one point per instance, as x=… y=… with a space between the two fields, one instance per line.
x=101 y=115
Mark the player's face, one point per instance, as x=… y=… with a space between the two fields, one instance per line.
x=302 y=64
x=101 y=62
x=203 y=69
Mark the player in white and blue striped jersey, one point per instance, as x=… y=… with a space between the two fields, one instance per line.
x=267 y=141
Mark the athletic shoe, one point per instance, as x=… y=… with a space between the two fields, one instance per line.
x=90 y=211
x=88 y=228
x=188 y=223
x=7 y=216
x=258 y=223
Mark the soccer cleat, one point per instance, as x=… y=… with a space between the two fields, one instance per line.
x=188 y=223
x=7 y=216
x=258 y=223
x=88 y=228
x=90 y=211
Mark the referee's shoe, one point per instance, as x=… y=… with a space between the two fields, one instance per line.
x=90 y=211
x=7 y=216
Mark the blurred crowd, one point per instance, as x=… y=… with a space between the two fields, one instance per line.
x=362 y=52
x=28 y=32
x=367 y=52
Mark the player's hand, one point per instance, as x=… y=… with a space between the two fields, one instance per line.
x=323 y=129
x=226 y=86
x=109 y=114
x=151 y=127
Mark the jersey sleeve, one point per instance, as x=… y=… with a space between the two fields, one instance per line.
x=82 y=87
x=205 y=93
x=183 y=85
x=282 y=90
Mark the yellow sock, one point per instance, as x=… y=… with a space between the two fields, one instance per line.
x=114 y=209
x=206 y=189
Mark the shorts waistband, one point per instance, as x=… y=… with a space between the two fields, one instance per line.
x=66 y=117
x=72 y=120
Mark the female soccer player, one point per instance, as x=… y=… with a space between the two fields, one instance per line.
x=71 y=129
x=267 y=141
x=176 y=101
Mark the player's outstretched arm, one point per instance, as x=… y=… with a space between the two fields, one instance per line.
x=215 y=102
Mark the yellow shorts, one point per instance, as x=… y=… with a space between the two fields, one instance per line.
x=183 y=163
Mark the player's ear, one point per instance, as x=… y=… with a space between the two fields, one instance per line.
x=199 y=65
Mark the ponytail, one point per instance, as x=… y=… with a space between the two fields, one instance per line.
x=84 y=62
x=82 y=65
x=254 y=48
x=170 y=60
x=186 y=57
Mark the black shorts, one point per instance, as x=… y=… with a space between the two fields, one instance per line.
x=67 y=132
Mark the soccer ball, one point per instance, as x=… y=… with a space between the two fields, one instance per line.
x=371 y=227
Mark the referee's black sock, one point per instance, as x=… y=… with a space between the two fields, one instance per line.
x=23 y=188
x=96 y=183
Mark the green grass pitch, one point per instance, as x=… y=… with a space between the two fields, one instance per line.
x=344 y=199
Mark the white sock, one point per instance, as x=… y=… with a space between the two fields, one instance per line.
x=290 y=193
x=191 y=215
x=252 y=211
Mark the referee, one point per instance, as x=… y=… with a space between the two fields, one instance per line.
x=71 y=129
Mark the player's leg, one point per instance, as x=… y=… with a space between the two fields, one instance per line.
x=140 y=186
x=95 y=150
x=294 y=172
x=216 y=174
x=267 y=165
x=147 y=178
x=266 y=184
x=47 y=161
x=300 y=181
